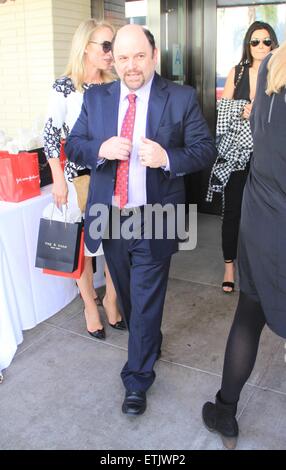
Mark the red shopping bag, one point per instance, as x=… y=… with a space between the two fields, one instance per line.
x=78 y=272
x=63 y=157
x=19 y=176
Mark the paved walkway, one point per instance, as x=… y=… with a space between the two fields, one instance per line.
x=63 y=390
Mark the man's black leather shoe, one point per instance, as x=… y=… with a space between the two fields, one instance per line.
x=134 y=403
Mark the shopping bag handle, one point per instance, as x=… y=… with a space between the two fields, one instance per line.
x=65 y=206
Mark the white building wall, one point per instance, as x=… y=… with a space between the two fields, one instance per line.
x=67 y=14
x=35 y=37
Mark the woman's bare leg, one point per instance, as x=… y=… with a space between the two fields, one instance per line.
x=109 y=301
x=85 y=284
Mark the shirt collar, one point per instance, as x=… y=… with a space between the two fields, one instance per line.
x=141 y=93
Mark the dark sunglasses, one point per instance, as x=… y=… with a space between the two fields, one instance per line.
x=255 y=42
x=106 y=45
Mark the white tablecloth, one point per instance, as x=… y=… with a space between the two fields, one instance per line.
x=27 y=296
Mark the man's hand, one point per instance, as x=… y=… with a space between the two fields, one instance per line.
x=115 y=148
x=151 y=154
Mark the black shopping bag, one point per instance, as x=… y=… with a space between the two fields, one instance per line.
x=44 y=167
x=58 y=245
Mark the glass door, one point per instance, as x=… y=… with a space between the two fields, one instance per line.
x=173 y=40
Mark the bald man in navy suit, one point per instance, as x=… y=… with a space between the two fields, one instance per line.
x=170 y=138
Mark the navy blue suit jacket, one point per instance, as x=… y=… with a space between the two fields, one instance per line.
x=174 y=120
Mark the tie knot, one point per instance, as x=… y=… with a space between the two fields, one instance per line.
x=131 y=98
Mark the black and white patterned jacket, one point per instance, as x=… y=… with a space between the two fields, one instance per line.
x=234 y=144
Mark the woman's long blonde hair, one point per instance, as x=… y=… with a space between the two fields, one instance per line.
x=276 y=78
x=75 y=67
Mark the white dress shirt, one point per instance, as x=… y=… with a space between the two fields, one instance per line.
x=137 y=172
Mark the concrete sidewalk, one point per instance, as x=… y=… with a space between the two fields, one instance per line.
x=63 y=390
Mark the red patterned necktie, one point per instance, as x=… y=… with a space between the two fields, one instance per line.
x=121 y=183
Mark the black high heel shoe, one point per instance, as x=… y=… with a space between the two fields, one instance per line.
x=119 y=325
x=229 y=284
x=98 y=334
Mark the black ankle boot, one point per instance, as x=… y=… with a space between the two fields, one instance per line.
x=220 y=418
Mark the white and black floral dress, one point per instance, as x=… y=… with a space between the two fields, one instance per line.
x=64 y=108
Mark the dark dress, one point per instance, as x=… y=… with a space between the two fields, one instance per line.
x=242 y=87
x=262 y=240
x=234 y=188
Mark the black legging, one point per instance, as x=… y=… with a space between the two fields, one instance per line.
x=241 y=348
x=231 y=216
